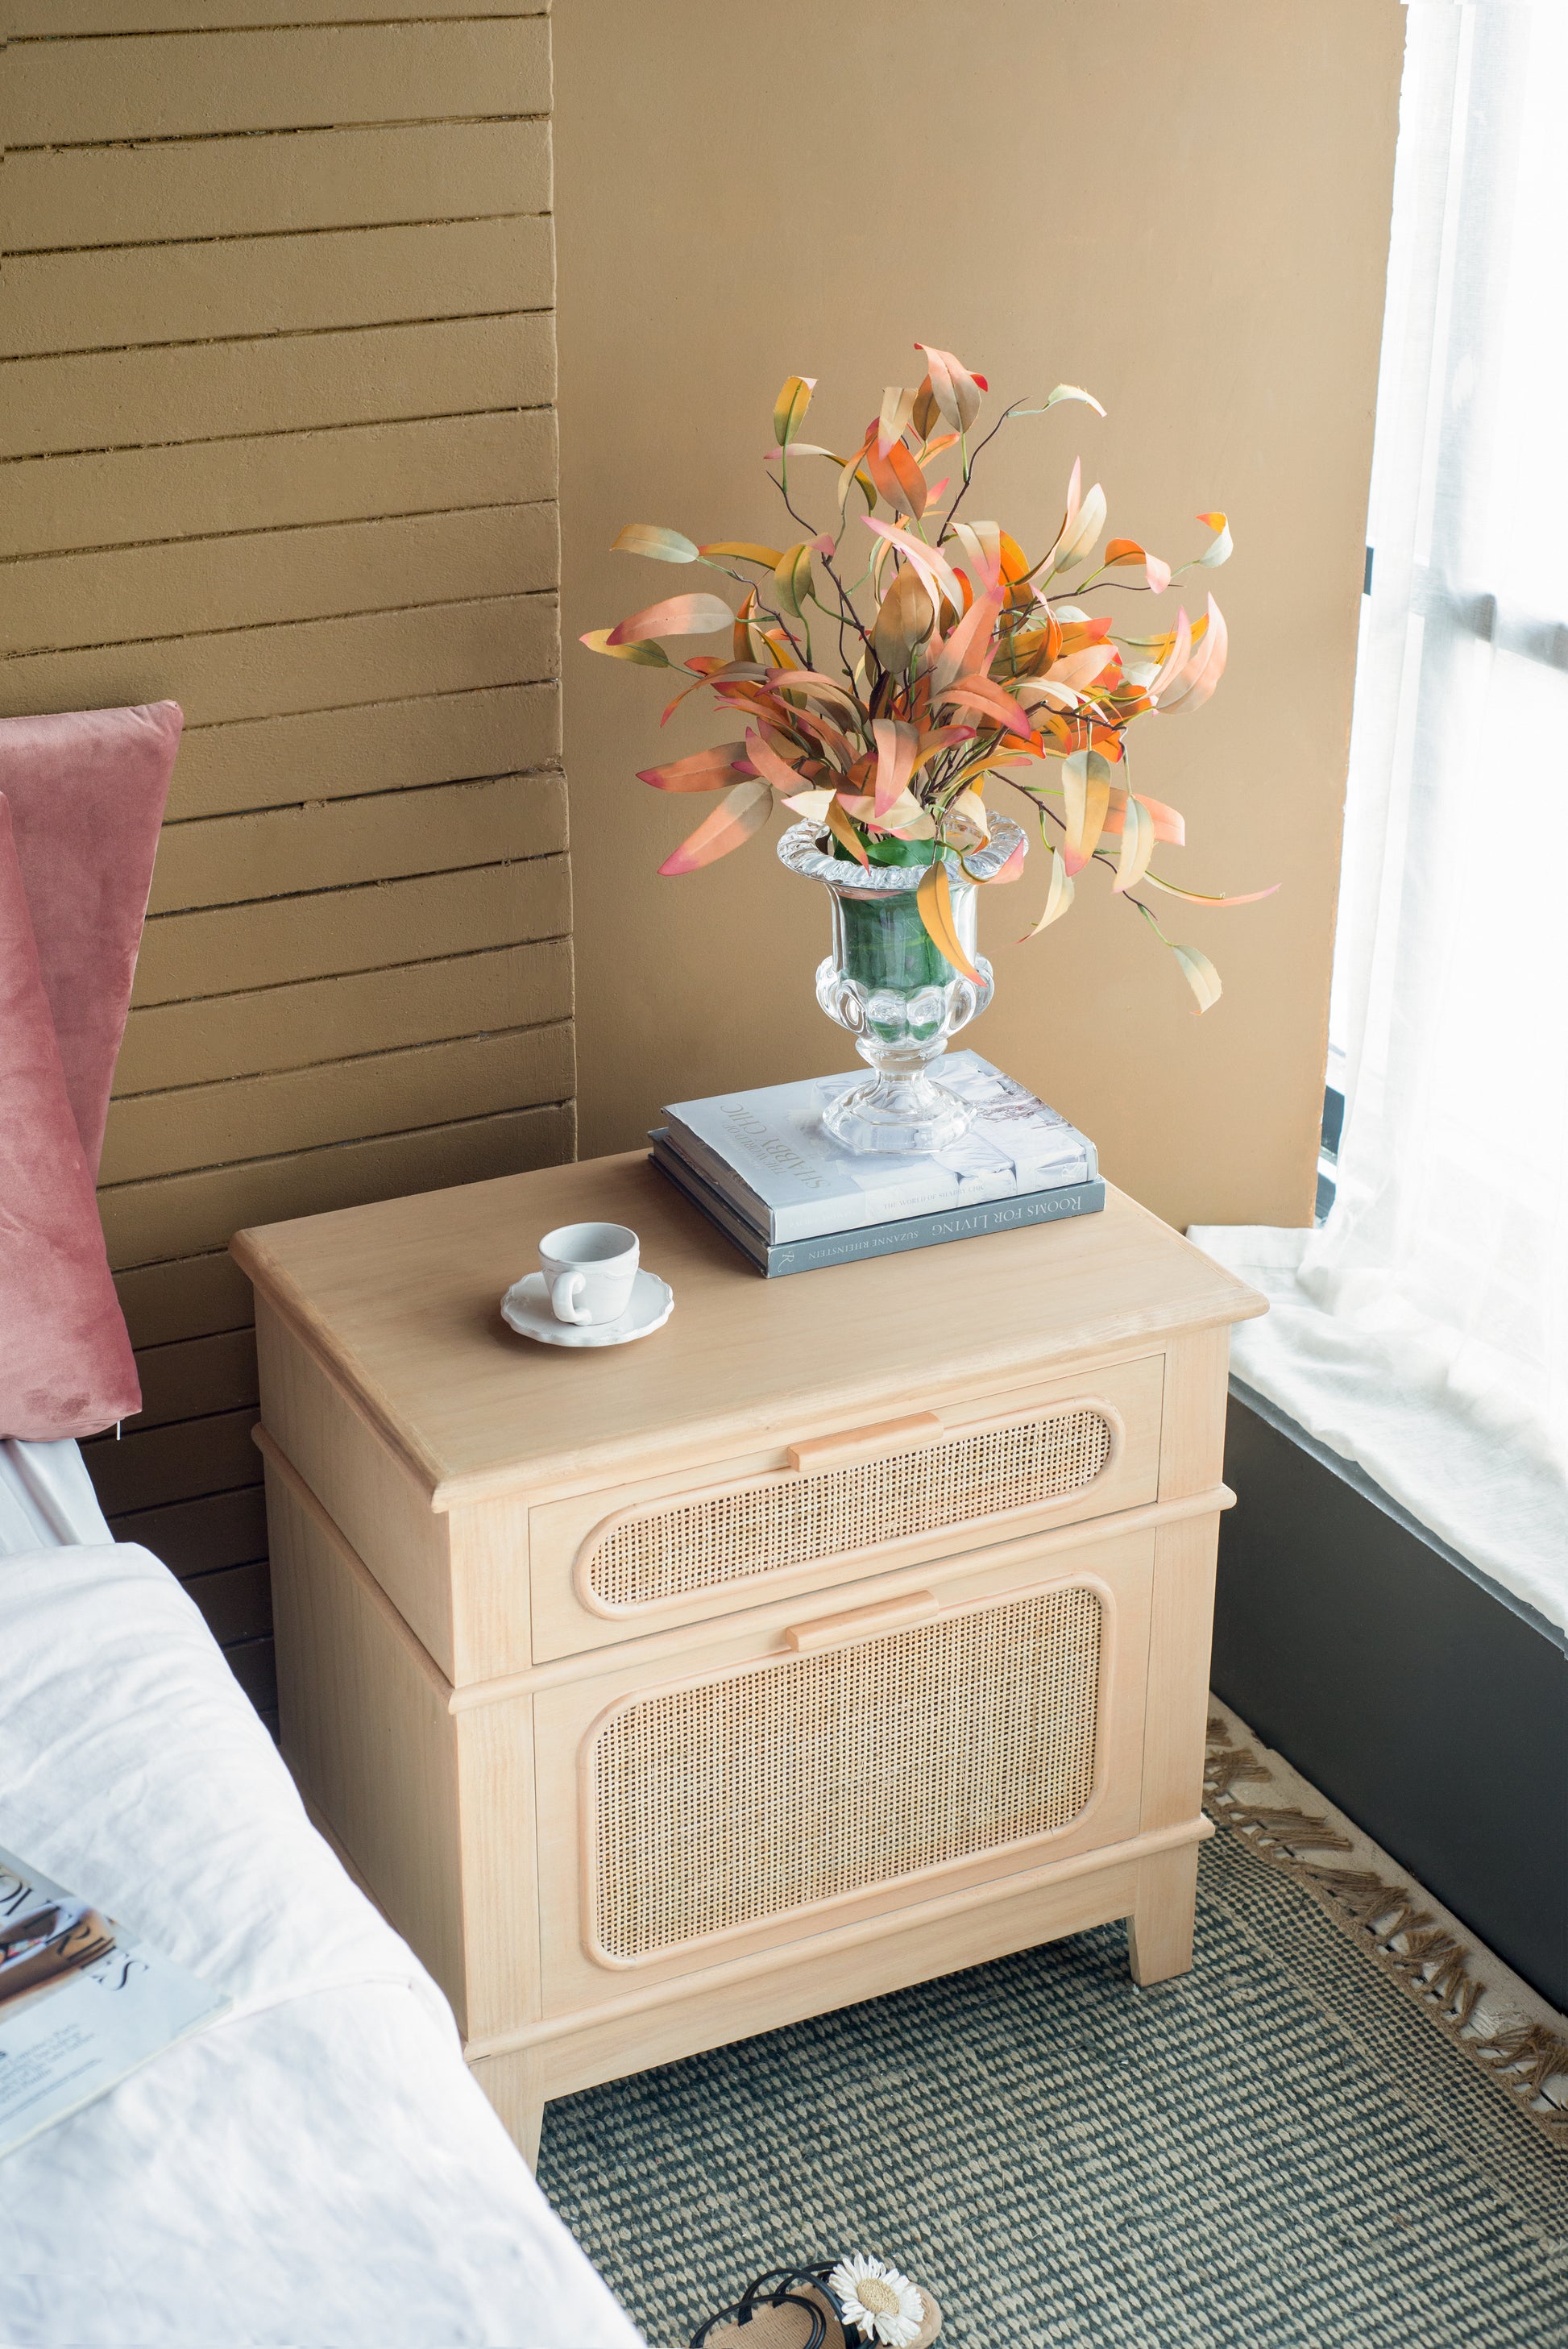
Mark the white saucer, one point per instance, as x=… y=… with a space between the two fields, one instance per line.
x=525 y=1307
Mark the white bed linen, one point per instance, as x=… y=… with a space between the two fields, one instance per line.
x=316 y=2170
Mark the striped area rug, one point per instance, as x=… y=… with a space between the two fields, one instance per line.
x=1280 y=2151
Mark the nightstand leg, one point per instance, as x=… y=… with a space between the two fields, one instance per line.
x=514 y=2084
x=1160 y=1929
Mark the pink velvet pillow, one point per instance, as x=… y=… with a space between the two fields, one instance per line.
x=87 y=794
x=66 y=1364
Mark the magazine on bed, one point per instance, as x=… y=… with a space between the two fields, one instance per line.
x=81 y=2003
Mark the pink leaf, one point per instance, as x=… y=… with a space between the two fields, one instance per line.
x=955 y=391
x=770 y=766
x=897 y=745
x=736 y=818
x=935 y=570
x=705 y=770
x=968 y=651
x=678 y=615
x=984 y=694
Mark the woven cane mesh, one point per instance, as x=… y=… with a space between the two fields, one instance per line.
x=785 y=1785
x=668 y=1553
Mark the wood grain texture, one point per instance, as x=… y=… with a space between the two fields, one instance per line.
x=304 y=665
x=151 y=86
x=292 y=383
x=179 y=1215
x=326 y=1019
x=742 y=1358
x=273 y=286
x=234 y=860
x=395 y=1783
x=56 y=197
x=316 y=934
x=444 y=1474
x=324 y=755
x=277 y=372
x=284 y=480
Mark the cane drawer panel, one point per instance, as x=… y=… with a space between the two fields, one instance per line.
x=707 y=1543
x=731 y=1802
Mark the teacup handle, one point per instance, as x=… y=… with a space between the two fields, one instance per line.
x=563 y=1291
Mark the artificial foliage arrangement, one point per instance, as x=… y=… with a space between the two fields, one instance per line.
x=888 y=672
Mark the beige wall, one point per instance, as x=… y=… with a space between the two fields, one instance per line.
x=277 y=385
x=1184 y=207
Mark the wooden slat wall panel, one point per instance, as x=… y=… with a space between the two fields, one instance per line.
x=440 y=737
x=193 y=1298
x=230 y=860
x=57 y=16
x=270 y=285
x=186 y=86
x=356 y=929
x=126 y=496
x=202 y=1537
x=277 y=441
x=61 y=197
x=255 y=580
x=192 y=1215
x=272 y=671
x=290 y=1027
x=151 y=397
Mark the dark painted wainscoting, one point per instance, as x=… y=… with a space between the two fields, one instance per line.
x=1430 y=1707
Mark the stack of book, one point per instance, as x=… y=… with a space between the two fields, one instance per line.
x=759 y=1167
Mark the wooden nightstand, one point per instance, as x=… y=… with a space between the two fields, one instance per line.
x=851 y=1630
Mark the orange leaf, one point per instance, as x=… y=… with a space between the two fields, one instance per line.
x=900 y=482
x=840 y=827
x=934 y=902
x=790 y=407
x=744 y=550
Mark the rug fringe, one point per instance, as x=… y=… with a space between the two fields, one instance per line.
x=1528 y=2062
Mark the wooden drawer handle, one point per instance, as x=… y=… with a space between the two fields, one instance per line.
x=859 y=1622
x=866 y=1443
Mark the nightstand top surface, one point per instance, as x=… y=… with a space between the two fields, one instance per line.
x=401 y=1300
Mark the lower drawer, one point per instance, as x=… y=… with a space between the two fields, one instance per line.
x=760 y=1789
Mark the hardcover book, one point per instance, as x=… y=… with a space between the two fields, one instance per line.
x=81 y=2003
x=765 y=1154
x=773 y=1259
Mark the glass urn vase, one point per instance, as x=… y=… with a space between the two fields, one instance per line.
x=889 y=983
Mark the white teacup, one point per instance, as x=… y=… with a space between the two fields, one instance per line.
x=589 y=1269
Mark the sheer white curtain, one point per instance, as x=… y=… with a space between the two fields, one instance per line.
x=1423 y=1332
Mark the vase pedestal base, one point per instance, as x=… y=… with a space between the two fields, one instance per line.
x=898 y=1111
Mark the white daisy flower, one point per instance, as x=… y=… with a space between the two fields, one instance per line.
x=882 y=2303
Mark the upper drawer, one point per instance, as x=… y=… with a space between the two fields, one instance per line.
x=615 y=1564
